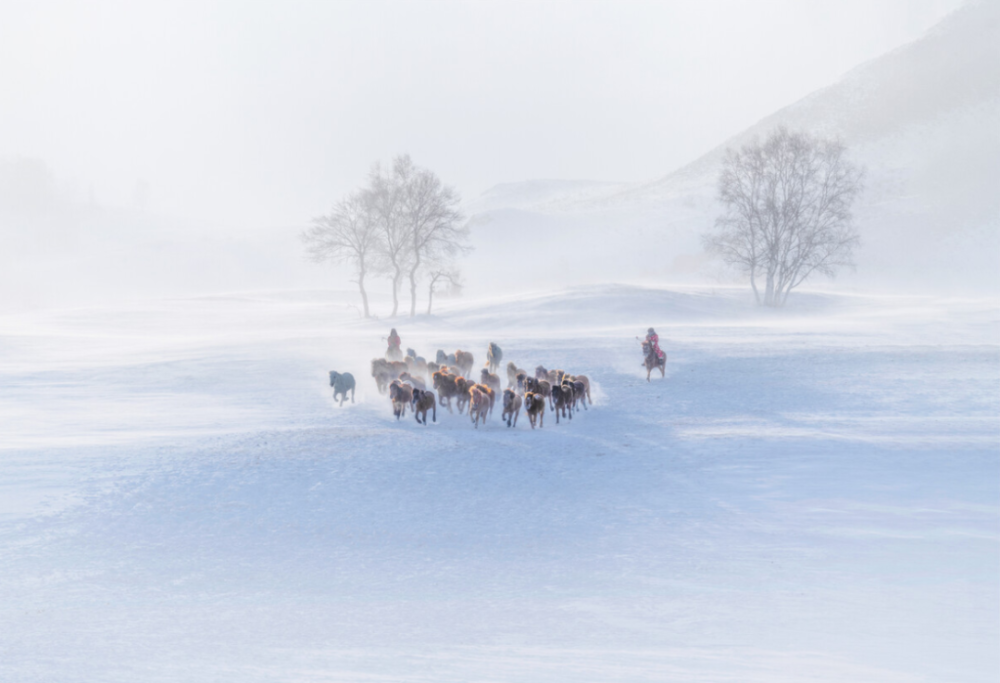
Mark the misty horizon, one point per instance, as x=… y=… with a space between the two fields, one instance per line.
x=227 y=116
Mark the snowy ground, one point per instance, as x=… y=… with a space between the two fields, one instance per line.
x=810 y=495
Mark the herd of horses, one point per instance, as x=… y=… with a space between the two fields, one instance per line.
x=420 y=386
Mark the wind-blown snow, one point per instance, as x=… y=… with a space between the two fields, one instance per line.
x=810 y=494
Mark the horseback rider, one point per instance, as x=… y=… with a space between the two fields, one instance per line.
x=394 y=340
x=654 y=340
x=655 y=357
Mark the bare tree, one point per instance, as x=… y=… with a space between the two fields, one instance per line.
x=787 y=211
x=350 y=233
x=385 y=193
x=441 y=274
x=403 y=222
x=433 y=225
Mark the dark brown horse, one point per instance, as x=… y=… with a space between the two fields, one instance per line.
x=653 y=361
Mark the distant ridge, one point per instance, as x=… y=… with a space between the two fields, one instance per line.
x=924 y=120
x=954 y=67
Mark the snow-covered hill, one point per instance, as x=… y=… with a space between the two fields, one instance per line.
x=810 y=494
x=922 y=119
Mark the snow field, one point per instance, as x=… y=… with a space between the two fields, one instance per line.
x=809 y=495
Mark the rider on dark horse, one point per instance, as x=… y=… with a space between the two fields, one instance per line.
x=654 y=340
x=655 y=357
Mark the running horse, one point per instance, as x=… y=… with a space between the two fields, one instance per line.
x=653 y=361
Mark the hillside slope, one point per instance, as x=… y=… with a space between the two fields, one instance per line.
x=922 y=119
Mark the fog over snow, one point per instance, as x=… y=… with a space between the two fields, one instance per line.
x=810 y=492
x=180 y=147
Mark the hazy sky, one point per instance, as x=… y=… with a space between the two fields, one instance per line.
x=259 y=115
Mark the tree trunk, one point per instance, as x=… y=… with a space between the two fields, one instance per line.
x=413 y=288
x=784 y=296
x=430 y=297
x=364 y=294
x=395 y=291
x=413 y=295
x=769 y=290
x=753 y=283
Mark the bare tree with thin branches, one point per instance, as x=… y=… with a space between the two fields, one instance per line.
x=348 y=234
x=438 y=275
x=434 y=226
x=787 y=211
x=404 y=221
x=385 y=192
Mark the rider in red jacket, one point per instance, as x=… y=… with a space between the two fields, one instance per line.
x=654 y=339
x=394 y=340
